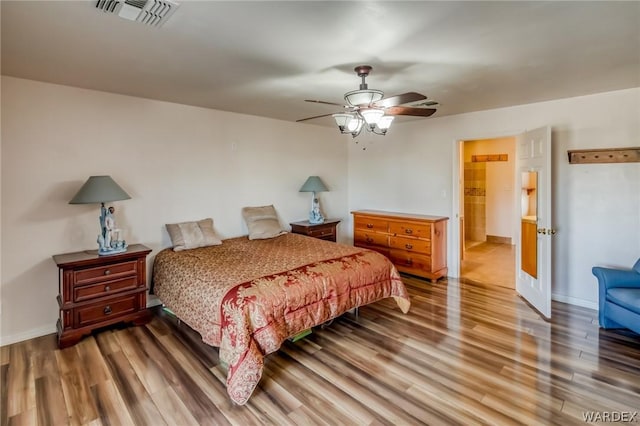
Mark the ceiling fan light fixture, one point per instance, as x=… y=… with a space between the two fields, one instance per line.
x=385 y=122
x=372 y=115
x=363 y=97
x=354 y=126
x=342 y=121
x=370 y=107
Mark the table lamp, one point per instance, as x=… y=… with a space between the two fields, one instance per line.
x=103 y=189
x=314 y=184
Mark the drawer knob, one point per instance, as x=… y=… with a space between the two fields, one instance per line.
x=107 y=310
x=409 y=262
x=408 y=246
x=107 y=271
x=369 y=225
x=107 y=288
x=409 y=231
x=369 y=240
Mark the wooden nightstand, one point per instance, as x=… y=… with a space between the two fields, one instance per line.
x=96 y=291
x=324 y=231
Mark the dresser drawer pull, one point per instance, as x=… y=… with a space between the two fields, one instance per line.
x=369 y=225
x=107 y=288
x=408 y=246
x=369 y=240
x=409 y=231
x=107 y=310
x=107 y=272
x=409 y=262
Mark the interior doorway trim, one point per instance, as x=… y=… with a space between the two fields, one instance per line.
x=454 y=239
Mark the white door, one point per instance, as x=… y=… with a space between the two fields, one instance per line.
x=533 y=249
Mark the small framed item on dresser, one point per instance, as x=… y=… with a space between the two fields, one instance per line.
x=97 y=291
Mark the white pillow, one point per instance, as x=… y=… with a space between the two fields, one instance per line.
x=262 y=222
x=188 y=235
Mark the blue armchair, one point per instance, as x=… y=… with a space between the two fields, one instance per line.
x=619 y=297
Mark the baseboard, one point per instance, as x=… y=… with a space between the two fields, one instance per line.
x=152 y=300
x=575 y=301
x=498 y=240
x=29 y=334
x=49 y=329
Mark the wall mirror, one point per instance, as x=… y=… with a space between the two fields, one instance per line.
x=529 y=225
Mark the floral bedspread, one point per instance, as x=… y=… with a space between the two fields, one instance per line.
x=247 y=297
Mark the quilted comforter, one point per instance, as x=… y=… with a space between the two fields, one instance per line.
x=247 y=297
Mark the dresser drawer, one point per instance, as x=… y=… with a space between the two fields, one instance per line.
x=108 y=272
x=104 y=311
x=407 y=259
x=419 y=230
x=371 y=224
x=369 y=239
x=410 y=244
x=91 y=291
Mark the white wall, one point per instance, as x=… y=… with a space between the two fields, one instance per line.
x=596 y=207
x=182 y=163
x=177 y=162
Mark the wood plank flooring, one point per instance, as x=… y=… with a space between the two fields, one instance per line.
x=466 y=353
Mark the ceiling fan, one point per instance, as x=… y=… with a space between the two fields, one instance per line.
x=369 y=109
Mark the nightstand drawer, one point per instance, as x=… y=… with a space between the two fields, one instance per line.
x=327 y=232
x=100 y=312
x=108 y=272
x=81 y=293
x=324 y=231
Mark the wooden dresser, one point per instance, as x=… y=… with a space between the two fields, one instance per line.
x=96 y=291
x=416 y=244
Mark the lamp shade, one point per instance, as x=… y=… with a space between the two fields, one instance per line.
x=99 y=189
x=313 y=184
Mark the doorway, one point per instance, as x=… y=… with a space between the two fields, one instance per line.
x=488 y=225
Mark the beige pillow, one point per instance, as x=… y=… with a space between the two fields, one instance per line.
x=262 y=222
x=188 y=235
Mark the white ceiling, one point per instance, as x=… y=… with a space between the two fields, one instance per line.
x=264 y=58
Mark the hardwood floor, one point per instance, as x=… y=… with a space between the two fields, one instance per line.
x=465 y=354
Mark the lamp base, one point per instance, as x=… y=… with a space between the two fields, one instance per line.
x=313 y=220
x=108 y=252
x=315 y=217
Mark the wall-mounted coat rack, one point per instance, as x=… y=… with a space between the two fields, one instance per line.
x=610 y=155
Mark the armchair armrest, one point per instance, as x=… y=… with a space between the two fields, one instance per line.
x=612 y=278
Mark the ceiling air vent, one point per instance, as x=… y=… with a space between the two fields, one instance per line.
x=149 y=12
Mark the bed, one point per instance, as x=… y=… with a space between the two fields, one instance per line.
x=248 y=296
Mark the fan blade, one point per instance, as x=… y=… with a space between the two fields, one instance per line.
x=327 y=103
x=316 y=116
x=405 y=98
x=417 y=112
